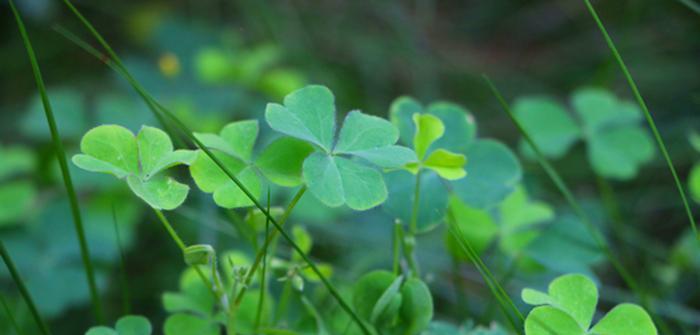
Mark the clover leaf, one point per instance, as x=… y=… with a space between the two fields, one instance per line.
x=694 y=183
x=387 y=301
x=338 y=173
x=514 y=222
x=280 y=162
x=568 y=308
x=139 y=159
x=126 y=325
x=17 y=196
x=616 y=144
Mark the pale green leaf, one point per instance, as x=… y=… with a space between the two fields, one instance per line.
x=625 y=319
x=307 y=114
x=133 y=325
x=401 y=115
x=160 y=192
x=208 y=175
x=600 y=109
x=535 y=298
x=230 y=195
x=548 y=123
x=362 y=132
x=101 y=330
x=302 y=239
x=16 y=200
x=241 y=136
x=153 y=144
x=429 y=128
x=215 y=142
x=281 y=161
x=618 y=153
x=93 y=164
x=392 y=156
x=336 y=180
x=547 y=320
x=446 y=164
x=574 y=294
x=518 y=216
x=113 y=145
x=476 y=226
x=15 y=160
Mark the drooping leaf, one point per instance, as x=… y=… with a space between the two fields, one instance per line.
x=159 y=192
x=307 y=114
x=492 y=174
x=448 y=165
x=281 y=161
x=335 y=180
x=548 y=124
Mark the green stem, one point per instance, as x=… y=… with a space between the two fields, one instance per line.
x=263 y=280
x=647 y=115
x=10 y=316
x=65 y=173
x=410 y=239
x=23 y=290
x=284 y=300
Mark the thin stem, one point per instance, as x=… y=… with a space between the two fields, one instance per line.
x=65 y=173
x=410 y=239
x=23 y=290
x=263 y=280
x=126 y=301
x=416 y=204
x=10 y=316
x=269 y=237
x=647 y=115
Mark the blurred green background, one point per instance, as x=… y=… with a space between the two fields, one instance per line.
x=213 y=62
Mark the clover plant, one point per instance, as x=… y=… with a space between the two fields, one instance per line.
x=126 y=325
x=280 y=162
x=444 y=135
x=342 y=171
x=516 y=222
x=568 y=308
x=617 y=143
x=140 y=160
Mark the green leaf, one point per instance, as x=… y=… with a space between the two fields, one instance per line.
x=446 y=164
x=193 y=296
x=159 y=192
x=625 y=319
x=185 y=324
x=101 y=330
x=387 y=301
x=392 y=156
x=618 y=153
x=576 y=295
x=241 y=137
x=534 y=297
x=548 y=123
x=17 y=199
x=282 y=160
x=133 y=325
x=368 y=290
x=476 y=226
x=429 y=128
x=361 y=132
x=210 y=178
x=69 y=110
x=307 y=114
x=335 y=180
x=230 y=195
x=401 y=115
x=109 y=149
x=694 y=183
x=416 y=306
x=492 y=174
x=518 y=215
x=547 y=320
x=15 y=160
x=600 y=109
x=302 y=239
x=156 y=152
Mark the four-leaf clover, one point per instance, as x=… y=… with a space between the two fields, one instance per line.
x=338 y=172
x=568 y=308
x=617 y=144
x=139 y=159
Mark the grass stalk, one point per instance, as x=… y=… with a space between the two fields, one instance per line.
x=263 y=280
x=41 y=324
x=65 y=173
x=10 y=315
x=647 y=114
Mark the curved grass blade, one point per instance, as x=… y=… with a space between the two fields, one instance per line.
x=41 y=324
x=157 y=108
x=568 y=195
x=647 y=115
x=65 y=173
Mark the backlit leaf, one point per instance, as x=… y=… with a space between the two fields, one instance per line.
x=281 y=161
